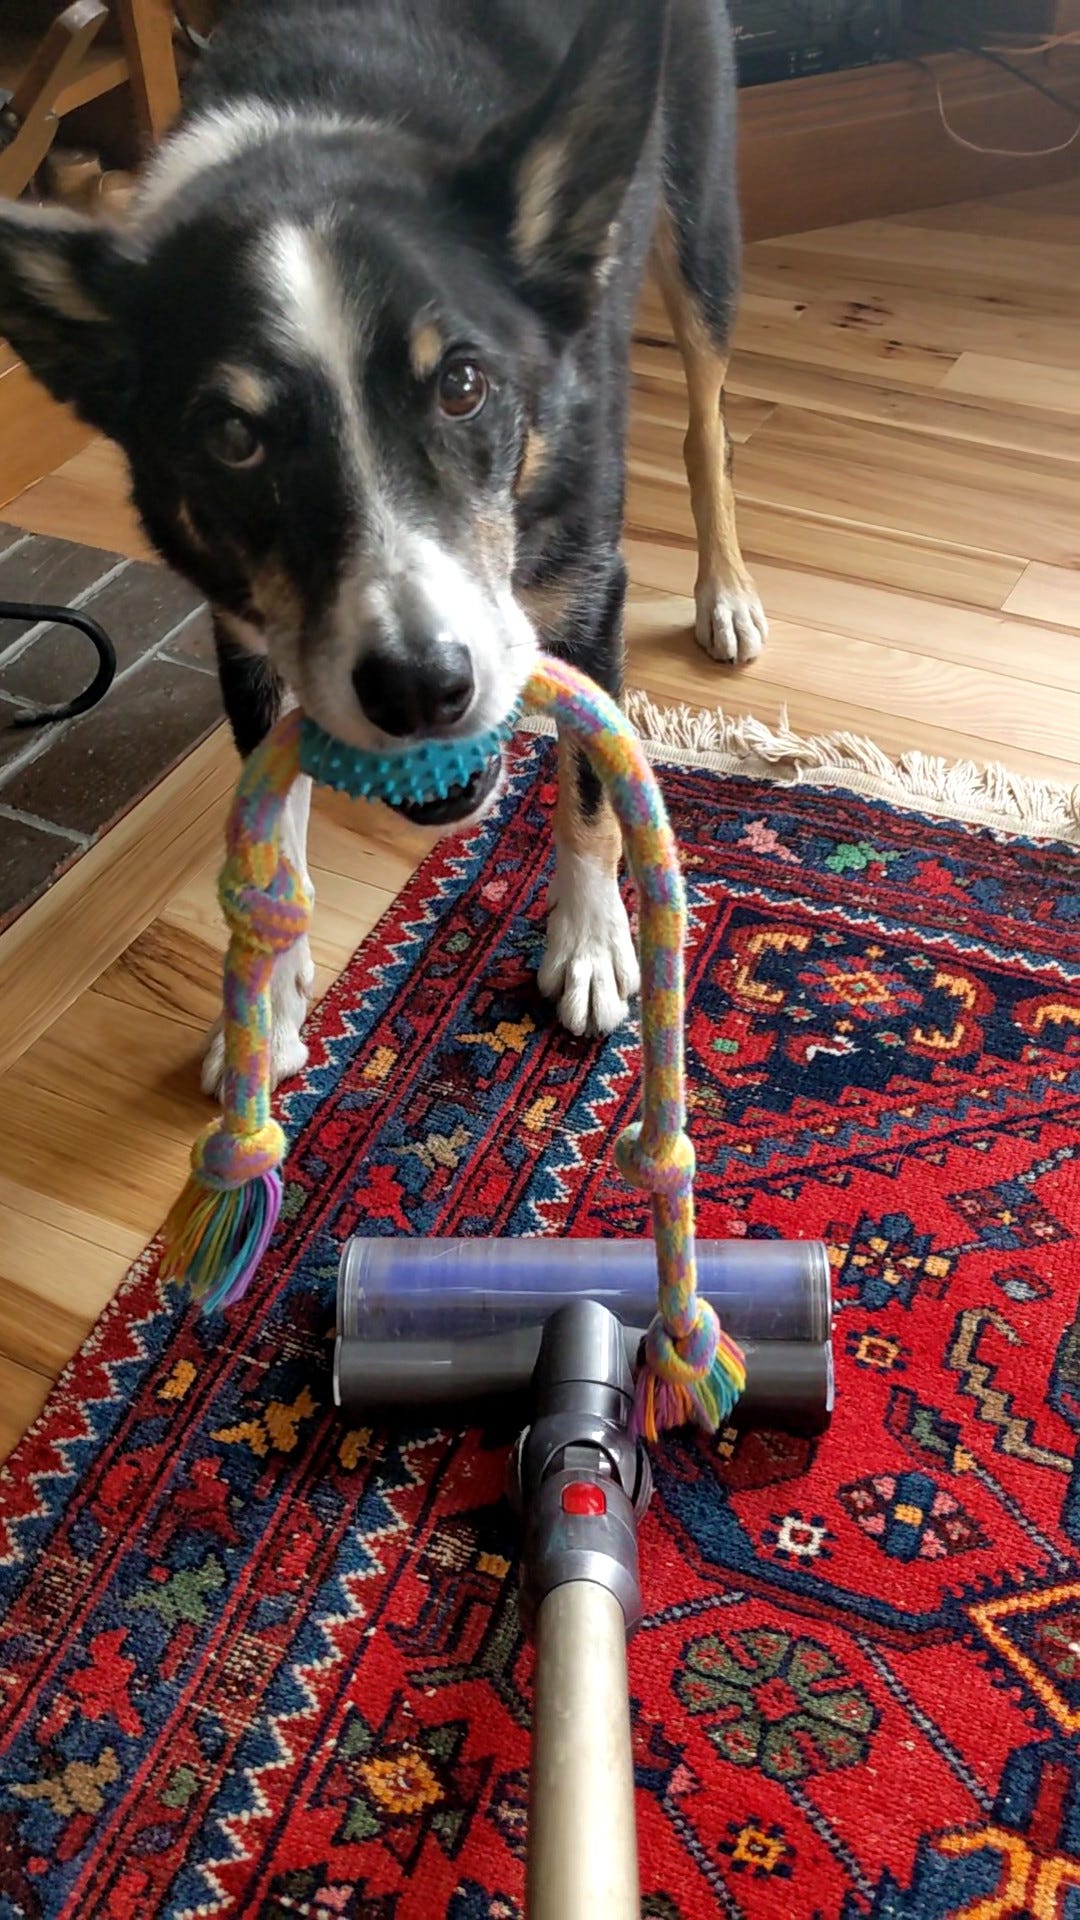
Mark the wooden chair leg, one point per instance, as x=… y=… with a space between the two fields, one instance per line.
x=146 y=26
x=29 y=117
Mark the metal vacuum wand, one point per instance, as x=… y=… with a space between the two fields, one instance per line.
x=454 y=1322
x=581 y=1483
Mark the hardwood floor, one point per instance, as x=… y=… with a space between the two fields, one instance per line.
x=905 y=397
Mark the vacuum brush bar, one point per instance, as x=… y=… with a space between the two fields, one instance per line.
x=442 y=1323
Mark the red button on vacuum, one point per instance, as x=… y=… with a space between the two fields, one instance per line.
x=581 y=1497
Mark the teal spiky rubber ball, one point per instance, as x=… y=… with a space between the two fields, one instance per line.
x=414 y=776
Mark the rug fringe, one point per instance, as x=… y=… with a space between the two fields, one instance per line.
x=989 y=795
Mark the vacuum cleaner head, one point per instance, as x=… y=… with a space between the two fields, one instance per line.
x=453 y=1323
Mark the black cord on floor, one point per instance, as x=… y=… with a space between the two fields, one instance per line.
x=30 y=610
x=997 y=59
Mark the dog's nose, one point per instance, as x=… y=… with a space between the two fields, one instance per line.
x=413 y=688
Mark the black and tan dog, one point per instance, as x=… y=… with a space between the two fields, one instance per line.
x=365 y=343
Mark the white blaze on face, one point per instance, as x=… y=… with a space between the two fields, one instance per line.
x=397 y=562
x=315 y=318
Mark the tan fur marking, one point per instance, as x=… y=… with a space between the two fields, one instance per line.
x=425 y=348
x=538 y=191
x=51 y=281
x=706 y=448
x=275 y=597
x=188 y=528
x=597 y=837
x=532 y=461
x=244 y=387
x=548 y=606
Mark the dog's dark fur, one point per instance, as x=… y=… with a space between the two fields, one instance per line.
x=361 y=191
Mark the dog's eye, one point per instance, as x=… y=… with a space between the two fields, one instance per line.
x=233 y=440
x=463 y=388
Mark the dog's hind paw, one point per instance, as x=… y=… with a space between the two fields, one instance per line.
x=731 y=624
x=590 y=967
x=291 y=987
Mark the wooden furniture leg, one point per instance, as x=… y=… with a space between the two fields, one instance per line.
x=29 y=122
x=146 y=26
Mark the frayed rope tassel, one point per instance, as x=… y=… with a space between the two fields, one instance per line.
x=216 y=1240
x=222 y=1223
x=679 y=1382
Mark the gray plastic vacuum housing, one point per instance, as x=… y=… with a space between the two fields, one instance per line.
x=453 y=1322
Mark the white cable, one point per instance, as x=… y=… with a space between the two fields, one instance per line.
x=995 y=153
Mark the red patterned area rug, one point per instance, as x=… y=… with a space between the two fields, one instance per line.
x=255 y=1664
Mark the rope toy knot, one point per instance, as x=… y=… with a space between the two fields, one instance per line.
x=222 y=1159
x=267 y=919
x=666 y=1168
x=684 y=1360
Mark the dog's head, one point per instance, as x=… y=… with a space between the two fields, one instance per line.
x=338 y=359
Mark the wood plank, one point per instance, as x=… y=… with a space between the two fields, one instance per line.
x=115 y=1058
x=354 y=884
x=85 y=1224
x=1060 y=196
x=53 y=1286
x=60 y=1150
x=995 y=378
x=1050 y=594
x=147 y=28
x=809 y=713
x=22 y=1396
x=912 y=483
x=832 y=544
x=86 y=499
x=660 y=399
x=36 y=434
x=993 y=712
x=168 y=968
x=851 y=319
x=870 y=141
x=758 y=383
x=110 y=894
x=943 y=412
x=1050 y=214
x=969 y=266
x=652 y=314
x=845 y=336
x=940 y=629
x=366 y=845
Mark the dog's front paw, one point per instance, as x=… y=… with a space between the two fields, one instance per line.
x=590 y=967
x=731 y=623
x=291 y=986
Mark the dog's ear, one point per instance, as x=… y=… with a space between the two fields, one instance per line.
x=65 y=297
x=555 y=177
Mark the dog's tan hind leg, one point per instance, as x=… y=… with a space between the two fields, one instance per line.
x=731 y=623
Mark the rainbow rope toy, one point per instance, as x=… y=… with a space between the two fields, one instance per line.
x=222 y=1223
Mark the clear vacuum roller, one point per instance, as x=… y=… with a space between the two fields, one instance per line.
x=445 y=1322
